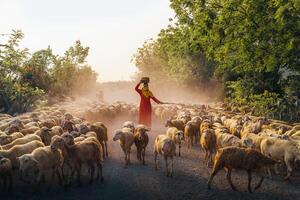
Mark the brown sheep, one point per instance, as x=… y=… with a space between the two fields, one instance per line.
x=68 y=126
x=166 y=147
x=178 y=123
x=100 y=129
x=49 y=123
x=240 y=158
x=208 y=143
x=12 y=129
x=254 y=127
x=46 y=134
x=42 y=160
x=6 y=173
x=190 y=133
x=205 y=124
x=196 y=122
x=86 y=152
x=141 y=141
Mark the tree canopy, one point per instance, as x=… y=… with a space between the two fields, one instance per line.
x=252 y=47
x=26 y=77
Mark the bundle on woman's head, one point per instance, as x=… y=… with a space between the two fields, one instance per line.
x=145 y=80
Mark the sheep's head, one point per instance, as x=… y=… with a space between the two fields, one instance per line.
x=67 y=125
x=179 y=135
x=68 y=138
x=83 y=129
x=118 y=135
x=264 y=121
x=19 y=123
x=238 y=130
x=45 y=134
x=129 y=124
x=247 y=142
x=282 y=129
x=245 y=119
x=75 y=134
x=12 y=129
x=140 y=131
x=68 y=116
x=5 y=164
x=29 y=167
x=168 y=123
x=56 y=142
x=34 y=117
x=5 y=139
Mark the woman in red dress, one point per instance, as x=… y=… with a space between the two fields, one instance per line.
x=145 y=111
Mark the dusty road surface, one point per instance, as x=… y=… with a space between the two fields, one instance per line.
x=143 y=182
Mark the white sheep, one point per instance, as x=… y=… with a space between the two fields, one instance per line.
x=166 y=147
x=177 y=136
x=126 y=138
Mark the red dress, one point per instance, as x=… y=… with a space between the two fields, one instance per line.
x=145 y=111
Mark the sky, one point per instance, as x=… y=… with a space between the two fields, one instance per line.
x=113 y=29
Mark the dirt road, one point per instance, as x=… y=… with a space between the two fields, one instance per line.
x=143 y=182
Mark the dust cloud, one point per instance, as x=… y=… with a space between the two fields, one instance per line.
x=166 y=92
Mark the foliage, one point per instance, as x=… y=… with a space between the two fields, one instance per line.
x=252 y=47
x=26 y=77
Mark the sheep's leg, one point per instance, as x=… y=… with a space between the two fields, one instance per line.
x=228 y=176
x=144 y=150
x=289 y=168
x=211 y=157
x=276 y=168
x=103 y=149
x=125 y=159
x=260 y=182
x=59 y=175
x=249 y=181
x=155 y=160
x=78 y=171
x=206 y=154
x=212 y=175
x=99 y=171
x=167 y=165
x=106 y=152
x=52 y=178
x=139 y=153
x=129 y=156
x=189 y=142
x=179 y=150
x=172 y=163
x=92 y=167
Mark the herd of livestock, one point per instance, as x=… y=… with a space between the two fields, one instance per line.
x=61 y=141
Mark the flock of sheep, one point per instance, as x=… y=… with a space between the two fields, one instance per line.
x=50 y=143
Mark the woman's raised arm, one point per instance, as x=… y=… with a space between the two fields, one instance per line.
x=137 y=87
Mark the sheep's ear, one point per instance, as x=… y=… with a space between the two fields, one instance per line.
x=147 y=129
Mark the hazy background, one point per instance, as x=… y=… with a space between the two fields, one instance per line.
x=112 y=29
